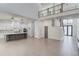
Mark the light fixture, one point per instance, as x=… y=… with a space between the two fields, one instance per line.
x=12 y=17
x=22 y=21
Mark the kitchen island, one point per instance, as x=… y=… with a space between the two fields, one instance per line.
x=16 y=36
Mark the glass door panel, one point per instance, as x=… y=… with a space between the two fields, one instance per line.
x=65 y=30
x=69 y=30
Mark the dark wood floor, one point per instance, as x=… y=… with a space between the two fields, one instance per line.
x=39 y=47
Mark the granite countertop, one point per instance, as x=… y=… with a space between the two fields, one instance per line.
x=15 y=33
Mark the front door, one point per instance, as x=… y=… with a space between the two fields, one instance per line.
x=68 y=30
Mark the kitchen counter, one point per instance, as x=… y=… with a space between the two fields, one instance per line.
x=15 y=36
x=14 y=33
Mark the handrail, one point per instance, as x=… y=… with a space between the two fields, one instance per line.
x=53 y=10
x=47 y=10
x=50 y=7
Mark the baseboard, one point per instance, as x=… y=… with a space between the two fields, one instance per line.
x=44 y=38
x=54 y=39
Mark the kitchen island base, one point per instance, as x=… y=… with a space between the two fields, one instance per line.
x=18 y=36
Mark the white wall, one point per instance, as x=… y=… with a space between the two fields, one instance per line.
x=53 y=32
x=30 y=29
x=69 y=6
x=37 y=35
x=77 y=28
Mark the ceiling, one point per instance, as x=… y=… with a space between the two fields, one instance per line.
x=29 y=10
x=46 y=4
x=43 y=6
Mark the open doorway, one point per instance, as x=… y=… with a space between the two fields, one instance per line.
x=46 y=32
